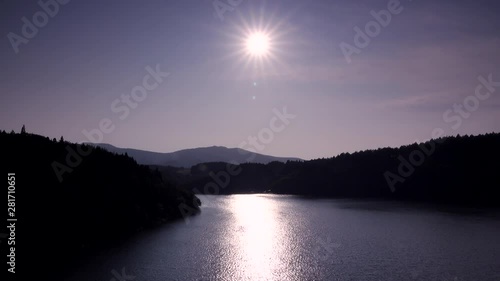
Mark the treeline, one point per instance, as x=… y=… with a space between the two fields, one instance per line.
x=457 y=170
x=71 y=199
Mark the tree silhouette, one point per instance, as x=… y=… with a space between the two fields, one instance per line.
x=459 y=170
x=103 y=197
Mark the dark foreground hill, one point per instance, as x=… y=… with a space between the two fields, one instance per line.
x=72 y=199
x=188 y=157
x=457 y=170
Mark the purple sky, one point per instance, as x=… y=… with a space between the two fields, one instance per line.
x=395 y=91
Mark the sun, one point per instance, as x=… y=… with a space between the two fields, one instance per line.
x=258 y=44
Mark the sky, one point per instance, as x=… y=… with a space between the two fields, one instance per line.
x=319 y=89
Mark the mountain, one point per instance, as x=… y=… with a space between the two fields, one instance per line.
x=190 y=157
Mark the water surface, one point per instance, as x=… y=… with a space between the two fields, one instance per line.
x=273 y=237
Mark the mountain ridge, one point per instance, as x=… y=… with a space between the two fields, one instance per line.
x=189 y=157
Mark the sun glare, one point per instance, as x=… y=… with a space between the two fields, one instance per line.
x=257 y=44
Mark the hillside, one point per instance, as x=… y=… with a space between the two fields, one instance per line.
x=71 y=199
x=458 y=170
x=189 y=157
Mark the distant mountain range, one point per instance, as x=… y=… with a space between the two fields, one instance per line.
x=190 y=157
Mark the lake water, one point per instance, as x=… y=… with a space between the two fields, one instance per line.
x=272 y=237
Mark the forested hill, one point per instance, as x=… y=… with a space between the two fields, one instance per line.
x=71 y=198
x=189 y=157
x=460 y=170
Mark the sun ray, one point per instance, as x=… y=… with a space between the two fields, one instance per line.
x=258 y=44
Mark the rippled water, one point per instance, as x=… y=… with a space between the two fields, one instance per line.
x=271 y=237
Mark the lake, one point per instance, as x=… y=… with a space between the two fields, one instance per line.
x=275 y=237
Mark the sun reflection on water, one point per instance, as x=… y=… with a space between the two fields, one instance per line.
x=257 y=237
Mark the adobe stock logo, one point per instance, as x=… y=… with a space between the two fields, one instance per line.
x=362 y=39
x=277 y=124
x=121 y=106
x=40 y=19
x=221 y=7
x=455 y=115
